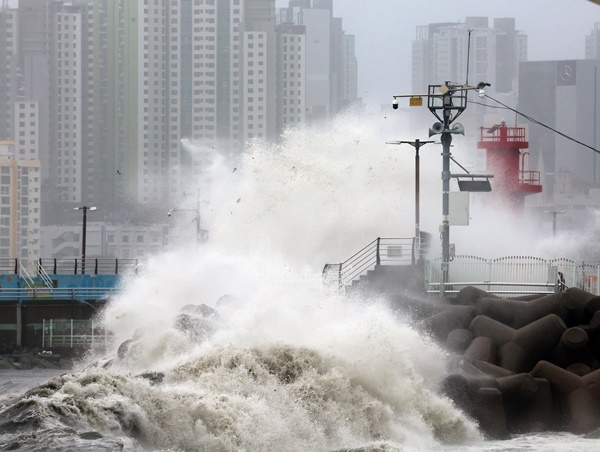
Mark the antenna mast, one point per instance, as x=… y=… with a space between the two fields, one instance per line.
x=468 y=54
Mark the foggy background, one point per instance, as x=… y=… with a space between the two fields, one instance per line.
x=385 y=30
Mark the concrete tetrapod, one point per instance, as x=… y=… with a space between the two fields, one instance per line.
x=458 y=340
x=452 y=317
x=580 y=306
x=519 y=350
x=554 y=340
x=577 y=398
x=531 y=343
x=518 y=313
x=493 y=402
x=573 y=348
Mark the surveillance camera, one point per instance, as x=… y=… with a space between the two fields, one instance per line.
x=169 y=213
x=395 y=104
x=482 y=93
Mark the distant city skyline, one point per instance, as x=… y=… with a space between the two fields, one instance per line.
x=385 y=30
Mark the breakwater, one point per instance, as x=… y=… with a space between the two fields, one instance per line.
x=521 y=365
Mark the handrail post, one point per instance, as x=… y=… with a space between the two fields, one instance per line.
x=16 y=266
x=96 y=267
x=340 y=284
x=55 y=272
x=378 y=257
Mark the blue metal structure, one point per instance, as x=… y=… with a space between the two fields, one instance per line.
x=63 y=279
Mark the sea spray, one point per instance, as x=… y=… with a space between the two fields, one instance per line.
x=355 y=374
x=290 y=365
x=320 y=195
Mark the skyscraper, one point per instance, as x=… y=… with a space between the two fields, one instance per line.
x=115 y=87
x=441 y=52
x=563 y=95
x=330 y=67
x=291 y=81
x=9 y=32
x=592 y=43
x=20 y=197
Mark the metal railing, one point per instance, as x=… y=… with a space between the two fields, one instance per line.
x=74 y=333
x=381 y=251
x=46 y=293
x=513 y=275
x=100 y=266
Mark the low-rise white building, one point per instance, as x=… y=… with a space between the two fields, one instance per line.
x=120 y=241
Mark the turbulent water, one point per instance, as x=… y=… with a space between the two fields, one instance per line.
x=283 y=363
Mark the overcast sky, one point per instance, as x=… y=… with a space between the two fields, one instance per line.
x=385 y=29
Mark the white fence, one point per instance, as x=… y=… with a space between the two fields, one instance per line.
x=74 y=334
x=513 y=275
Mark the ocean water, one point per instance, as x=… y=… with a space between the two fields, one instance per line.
x=284 y=363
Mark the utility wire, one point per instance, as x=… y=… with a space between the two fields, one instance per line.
x=535 y=121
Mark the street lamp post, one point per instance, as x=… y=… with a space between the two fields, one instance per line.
x=83 y=233
x=417 y=145
x=554 y=214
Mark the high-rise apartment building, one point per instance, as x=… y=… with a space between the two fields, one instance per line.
x=442 y=51
x=9 y=32
x=20 y=197
x=330 y=68
x=34 y=80
x=26 y=131
x=291 y=82
x=107 y=94
x=592 y=43
x=67 y=65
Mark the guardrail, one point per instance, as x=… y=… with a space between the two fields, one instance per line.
x=514 y=275
x=381 y=251
x=45 y=293
x=99 y=266
x=493 y=287
x=74 y=333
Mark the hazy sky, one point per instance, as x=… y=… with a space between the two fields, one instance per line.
x=385 y=29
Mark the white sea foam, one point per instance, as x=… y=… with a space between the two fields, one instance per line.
x=291 y=365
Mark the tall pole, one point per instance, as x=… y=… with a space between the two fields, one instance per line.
x=417 y=191
x=84 y=233
x=417 y=145
x=448 y=105
x=446 y=141
x=83 y=239
x=554 y=214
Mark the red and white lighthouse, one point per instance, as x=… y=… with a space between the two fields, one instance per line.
x=505 y=159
